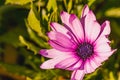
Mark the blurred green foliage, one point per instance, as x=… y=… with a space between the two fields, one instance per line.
x=23 y=28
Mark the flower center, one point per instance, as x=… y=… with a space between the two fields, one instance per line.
x=85 y=50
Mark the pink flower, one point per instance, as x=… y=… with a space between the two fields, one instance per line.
x=79 y=45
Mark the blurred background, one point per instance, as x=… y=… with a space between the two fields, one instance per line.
x=23 y=28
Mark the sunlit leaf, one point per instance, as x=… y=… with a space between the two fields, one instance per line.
x=21 y=2
x=34 y=22
x=69 y=5
x=113 y=12
x=44 y=15
x=29 y=45
x=118 y=75
x=90 y=2
x=52 y=4
x=53 y=16
x=36 y=38
x=65 y=3
x=111 y=76
x=28 y=78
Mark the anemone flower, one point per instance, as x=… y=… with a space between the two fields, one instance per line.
x=78 y=45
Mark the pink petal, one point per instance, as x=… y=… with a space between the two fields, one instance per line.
x=102 y=48
x=77 y=27
x=59 y=28
x=67 y=62
x=102 y=44
x=106 y=54
x=50 y=64
x=73 y=23
x=88 y=67
x=77 y=75
x=102 y=56
x=65 y=18
x=90 y=17
x=92 y=30
x=97 y=59
x=52 y=53
x=105 y=27
x=91 y=64
x=85 y=11
x=101 y=40
x=75 y=66
x=60 y=40
x=59 y=47
x=94 y=64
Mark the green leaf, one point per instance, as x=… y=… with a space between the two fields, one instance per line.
x=90 y=2
x=20 y=2
x=13 y=68
x=88 y=77
x=113 y=12
x=111 y=76
x=29 y=45
x=116 y=28
x=52 y=4
x=69 y=5
x=53 y=17
x=28 y=78
x=34 y=22
x=65 y=3
x=12 y=36
x=36 y=38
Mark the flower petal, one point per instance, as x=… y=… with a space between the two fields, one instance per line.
x=85 y=11
x=77 y=27
x=104 y=47
x=73 y=23
x=52 y=53
x=77 y=75
x=101 y=40
x=67 y=62
x=97 y=59
x=102 y=56
x=90 y=16
x=94 y=64
x=106 y=54
x=105 y=27
x=88 y=12
x=88 y=67
x=50 y=64
x=55 y=45
x=60 y=40
x=59 y=28
x=92 y=30
x=76 y=65
x=65 y=18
